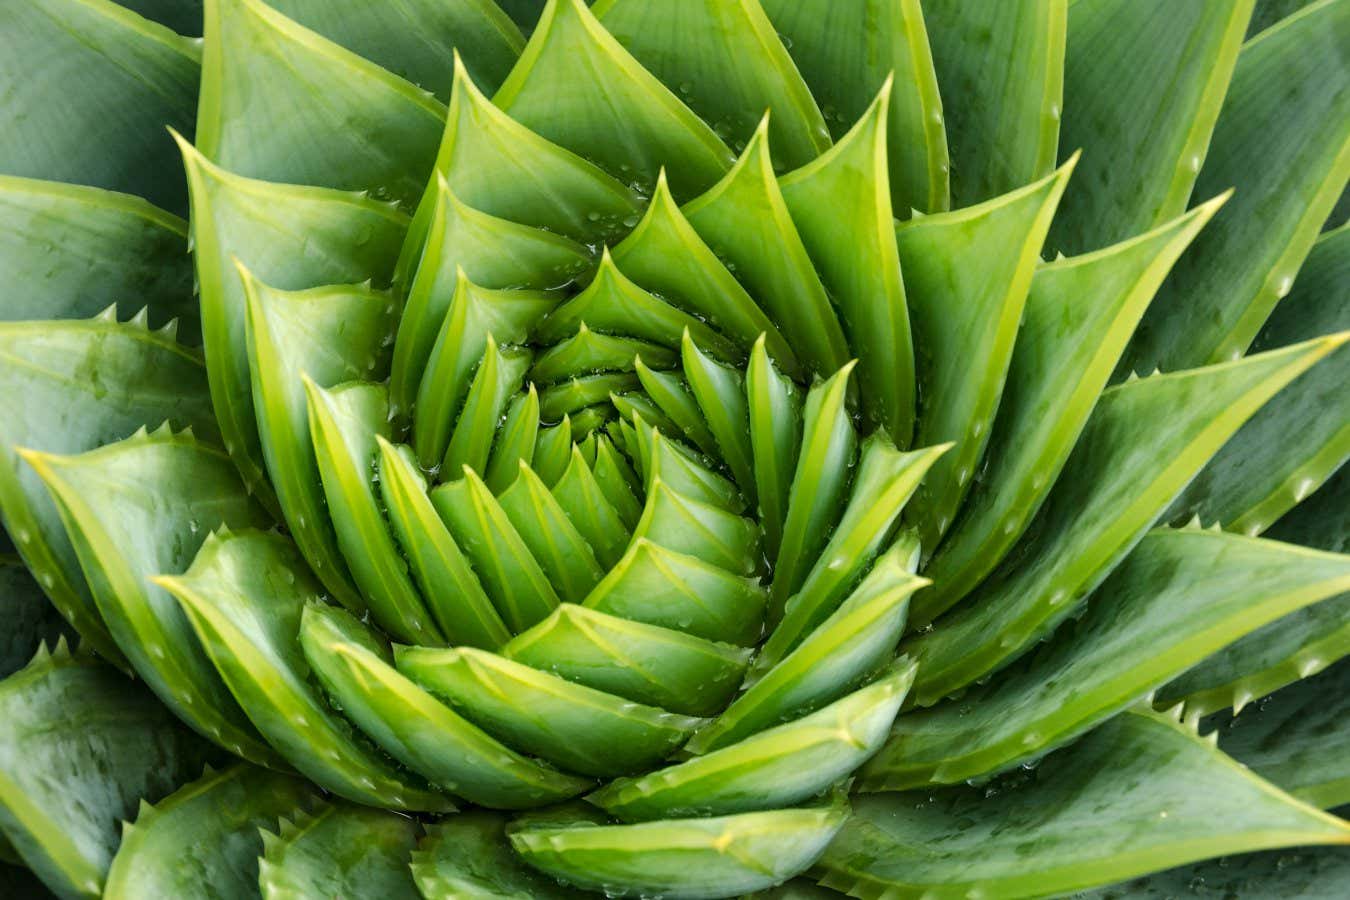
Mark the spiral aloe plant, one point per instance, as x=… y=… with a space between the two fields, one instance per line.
x=674 y=448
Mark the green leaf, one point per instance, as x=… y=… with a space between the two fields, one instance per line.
x=886 y=479
x=340 y=851
x=859 y=264
x=1261 y=473
x=1296 y=738
x=1144 y=441
x=644 y=663
x=778 y=767
x=515 y=445
x=578 y=728
x=1177 y=597
x=575 y=395
x=671 y=394
x=553 y=451
x=452 y=592
x=702 y=530
x=617 y=482
x=719 y=856
x=725 y=60
x=467 y=857
x=142 y=507
x=589 y=351
x=290 y=237
x=1293 y=647
x=33 y=620
x=1002 y=67
x=417 y=729
x=498 y=377
x=1282 y=139
x=345 y=425
x=746 y=223
x=968 y=274
x=493 y=253
x=845 y=51
x=475 y=314
x=331 y=334
x=1084 y=811
x=245 y=594
x=545 y=527
x=721 y=397
x=659 y=586
x=775 y=409
x=262 y=75
x=69 y=252
x=1064 y=353
x=107 y=379
x=70 y=64
x=819 y=486
x=848 y=649
x=612 y=303
x=587 y=505
x=80 y=747
x=183 y=16
x=202 y=840
x=532 y=180
x=1308 y=873
x=680 y=470
x=414 y=39
x=1143 y=83
x=666 y=256
x=511 y=575
x=576 y=85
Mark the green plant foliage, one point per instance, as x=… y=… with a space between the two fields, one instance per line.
x=662 y=449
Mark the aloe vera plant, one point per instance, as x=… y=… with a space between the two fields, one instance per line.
x=714 y=448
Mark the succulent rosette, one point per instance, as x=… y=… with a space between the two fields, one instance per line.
x=674 y=448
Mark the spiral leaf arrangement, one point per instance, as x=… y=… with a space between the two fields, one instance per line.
x=664 y=449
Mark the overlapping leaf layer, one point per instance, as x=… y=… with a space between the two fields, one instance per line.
x=648 y=448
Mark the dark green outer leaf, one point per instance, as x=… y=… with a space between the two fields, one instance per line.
x=1283 y=139
x=1293 y=647
x=1137 y=451
x=93 y=86
x=261 y=76
x=1079 y=315
x=31 y=620
x=1001 y=68
x=202 y=841
x=821 y=35
x=1307 y=873
x=414 y=38
x=81 y=746
x=1057 y=829
x=340 y=851
x=1177 y=597
x=108 y=379
x=1297 y=736
x=1263 y=471
x=1143 y=83
x=69 y=252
